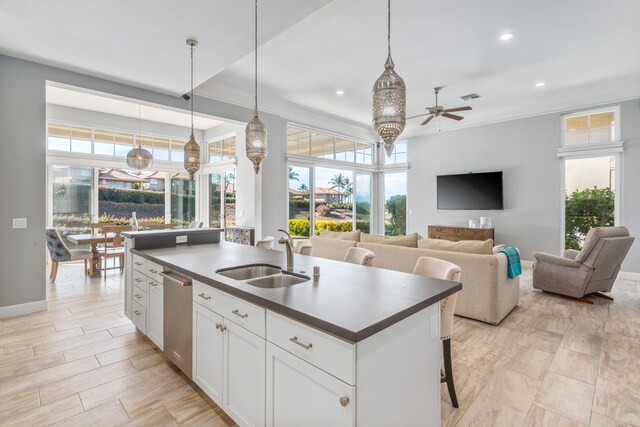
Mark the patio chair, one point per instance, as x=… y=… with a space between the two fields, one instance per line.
x=195 y=224
x=113 y=246
x=59 y=252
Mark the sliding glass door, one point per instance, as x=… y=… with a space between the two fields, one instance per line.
x=72 y=196
x=299 y=201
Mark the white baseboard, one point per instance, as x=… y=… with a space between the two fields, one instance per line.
x=629 y=275
x=20 y=309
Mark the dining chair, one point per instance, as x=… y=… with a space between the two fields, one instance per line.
x=160 y=226
x=360 y=256
x=113 y=246
x=303 y=247
x=266 y=242
x=445 y=270
x=195 y=224
x=59 y=252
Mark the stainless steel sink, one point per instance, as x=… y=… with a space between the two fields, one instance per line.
x=280 y=280
x=248 y=272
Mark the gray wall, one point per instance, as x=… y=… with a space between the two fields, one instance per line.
x=526 y=150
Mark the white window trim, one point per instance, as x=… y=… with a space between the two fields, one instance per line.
x=616 y=112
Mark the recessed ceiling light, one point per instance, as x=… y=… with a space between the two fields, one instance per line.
x=539 y=84
x=339 y=92
x=506 y=36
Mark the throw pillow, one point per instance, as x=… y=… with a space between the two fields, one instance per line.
x=346 y=235
x=410 y=240
x=469 y=246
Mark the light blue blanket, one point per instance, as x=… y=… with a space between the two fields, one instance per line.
x=514 y=267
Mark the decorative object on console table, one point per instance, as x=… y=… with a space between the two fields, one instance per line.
x=456 y=234
x=242 y=235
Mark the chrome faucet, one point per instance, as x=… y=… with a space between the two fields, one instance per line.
x=288 y=245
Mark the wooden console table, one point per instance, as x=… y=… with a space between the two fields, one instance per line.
x=459 y=233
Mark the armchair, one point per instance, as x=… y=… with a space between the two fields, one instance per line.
x=587 y=272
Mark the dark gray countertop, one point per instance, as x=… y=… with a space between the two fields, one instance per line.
x=169 y=232
x=350 y=301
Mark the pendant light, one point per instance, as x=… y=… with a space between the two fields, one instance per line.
x=139 y=158
x=191 y=148
x=389 y=98
x=256 y=134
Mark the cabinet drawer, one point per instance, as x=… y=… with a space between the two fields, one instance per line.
x=239 y=311
x=140 y=280
x=325 y=351
x=152 y=283
x=203 y=294
x=139 y=316
x=154 y=270
x=139 y=264
x=140 y=296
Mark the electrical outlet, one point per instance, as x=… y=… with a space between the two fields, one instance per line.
x=19 y=222
x=434 y=327
x=181 y=239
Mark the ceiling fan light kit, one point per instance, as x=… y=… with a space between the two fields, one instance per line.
x=255 y=132
x=191 y=148
x=389 y=99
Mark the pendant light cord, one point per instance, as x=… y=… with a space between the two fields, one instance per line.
x=256 y=57
x=139 y=126
x=191 y=48
x=389 y=27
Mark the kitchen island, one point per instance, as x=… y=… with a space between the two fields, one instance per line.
x=355 y=346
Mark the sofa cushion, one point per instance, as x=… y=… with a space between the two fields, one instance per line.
x=409 y=241
x=330 y=248
x=344 y=235
x=468 y=246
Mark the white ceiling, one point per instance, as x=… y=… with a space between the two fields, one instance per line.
x=127 y=108
x=586 y=51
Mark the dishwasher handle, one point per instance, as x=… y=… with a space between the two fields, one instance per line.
x=182 y=281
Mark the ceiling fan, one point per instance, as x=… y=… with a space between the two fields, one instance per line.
x=438 y=110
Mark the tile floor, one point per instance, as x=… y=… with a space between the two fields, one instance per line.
x=551 y=362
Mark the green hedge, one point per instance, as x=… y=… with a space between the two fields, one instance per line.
x=119 y=195
x=300 y=227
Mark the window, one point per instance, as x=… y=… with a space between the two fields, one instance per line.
x=598 y=126
x=299 y=201
x=304 y=142
x=70 y=139
x=72 y=194
x=333 y=195
x=399 y=154
x=222 y=150
x=363 y=202
x=121 y=192
x=395 y=203
x=177 y=150
x=230 y=198
x=183 y=200
x=215 y=200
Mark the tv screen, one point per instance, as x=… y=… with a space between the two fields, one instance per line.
x=470 y=191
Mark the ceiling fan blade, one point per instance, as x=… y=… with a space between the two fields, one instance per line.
x=427 y=121
x=452 y=116
x=419 y=115
x=452 y=110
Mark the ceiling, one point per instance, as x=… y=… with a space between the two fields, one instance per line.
x=585 y=51
x=127 y=108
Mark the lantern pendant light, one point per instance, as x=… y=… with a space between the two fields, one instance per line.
x=139 y=158
x=389 y=98
x=255 y=132
x=191 y=148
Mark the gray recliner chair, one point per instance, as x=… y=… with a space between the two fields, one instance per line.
x=589 y=271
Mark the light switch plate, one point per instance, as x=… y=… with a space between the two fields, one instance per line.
x=19 y=222
x=181 y=239
x=434 y=327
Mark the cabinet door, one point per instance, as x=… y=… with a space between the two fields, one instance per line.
x=208 y=341
x=155 y=310
x=244 y=376
x=300 y=394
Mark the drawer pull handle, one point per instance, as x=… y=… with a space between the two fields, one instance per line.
x=153 y=271
x=138 y=263
x=344 y=401
x=136 y=312
x=153 y=283
x=138 y=279
x=237 y=313
x=203 y=296
x=221 y=327
x=138 y=296
x=295 y=341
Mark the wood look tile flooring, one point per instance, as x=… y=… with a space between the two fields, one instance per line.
x=551 y=362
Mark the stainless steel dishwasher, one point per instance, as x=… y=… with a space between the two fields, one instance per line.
x=178 y=319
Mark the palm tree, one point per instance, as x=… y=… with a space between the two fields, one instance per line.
x=338 y=182
x=348 y=190
x=303 y=187
x=293 y=175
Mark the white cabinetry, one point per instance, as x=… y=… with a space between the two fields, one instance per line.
x=155 y=312
x=300 y=394
x=228 y=359
x=144 y=303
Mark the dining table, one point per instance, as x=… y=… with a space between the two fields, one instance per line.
x=92 y=239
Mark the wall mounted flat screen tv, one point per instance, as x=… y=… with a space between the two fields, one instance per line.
x=470 y=191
